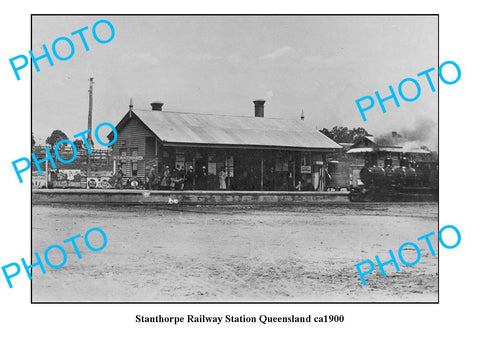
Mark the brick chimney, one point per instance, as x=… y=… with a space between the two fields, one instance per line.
x=259 y=108
x=156 y=105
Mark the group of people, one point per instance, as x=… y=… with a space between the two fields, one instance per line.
x=180 y=179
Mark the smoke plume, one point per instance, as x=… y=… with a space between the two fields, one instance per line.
x=422 y=133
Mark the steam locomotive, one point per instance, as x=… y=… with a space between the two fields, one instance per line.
x=410 y=181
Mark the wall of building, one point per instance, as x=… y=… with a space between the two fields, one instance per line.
x=131 y=141
x=282 y=169
x=247 y=169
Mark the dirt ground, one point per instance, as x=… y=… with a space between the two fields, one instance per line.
x=236 y=254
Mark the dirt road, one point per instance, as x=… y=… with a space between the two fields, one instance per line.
x=236 y=253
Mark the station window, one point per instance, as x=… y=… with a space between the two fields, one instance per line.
x=123 y=163
x=134 y=152
x=179 y=158
x=212 y=164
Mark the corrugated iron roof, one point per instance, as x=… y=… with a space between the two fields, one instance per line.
x=208 y=129
x=387 y=149
x=374 y=150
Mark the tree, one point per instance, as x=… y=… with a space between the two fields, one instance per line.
x=326 y=133
x=56 y=137
x=341 y=134
x=33 y=141
x=358 y=133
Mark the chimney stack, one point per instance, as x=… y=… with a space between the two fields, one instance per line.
x=156 y=105
x=259 y=108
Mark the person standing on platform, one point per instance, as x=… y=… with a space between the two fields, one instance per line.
x=222 y=176
x=290 y=181
x=253 y=180
x=152 y=178
x=299 y=185
x=182 y=177
x=270 y=179
x=202 y=178
x=178 y=178
x=119 y=178
x=165 y=181
x=175 y=178
x=189 y=176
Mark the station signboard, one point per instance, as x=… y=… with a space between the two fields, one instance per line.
x=306 y=169
x=127 y=157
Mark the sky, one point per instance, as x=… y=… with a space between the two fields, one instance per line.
x=220 y=64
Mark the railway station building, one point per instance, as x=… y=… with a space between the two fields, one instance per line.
x=257 y=153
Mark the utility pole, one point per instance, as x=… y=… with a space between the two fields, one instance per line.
x=46 y=173
x=89 y=136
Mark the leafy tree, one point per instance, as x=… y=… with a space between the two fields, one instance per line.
x=326 y=133
x=33 y=141
x=341 y=134
x=56 y=137
x=358 y=133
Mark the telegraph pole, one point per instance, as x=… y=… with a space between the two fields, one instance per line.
x=89 y=136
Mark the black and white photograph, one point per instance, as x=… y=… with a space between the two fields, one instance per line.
x=248 y=174
x=235 y=158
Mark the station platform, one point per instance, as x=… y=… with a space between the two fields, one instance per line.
x=158 y=197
